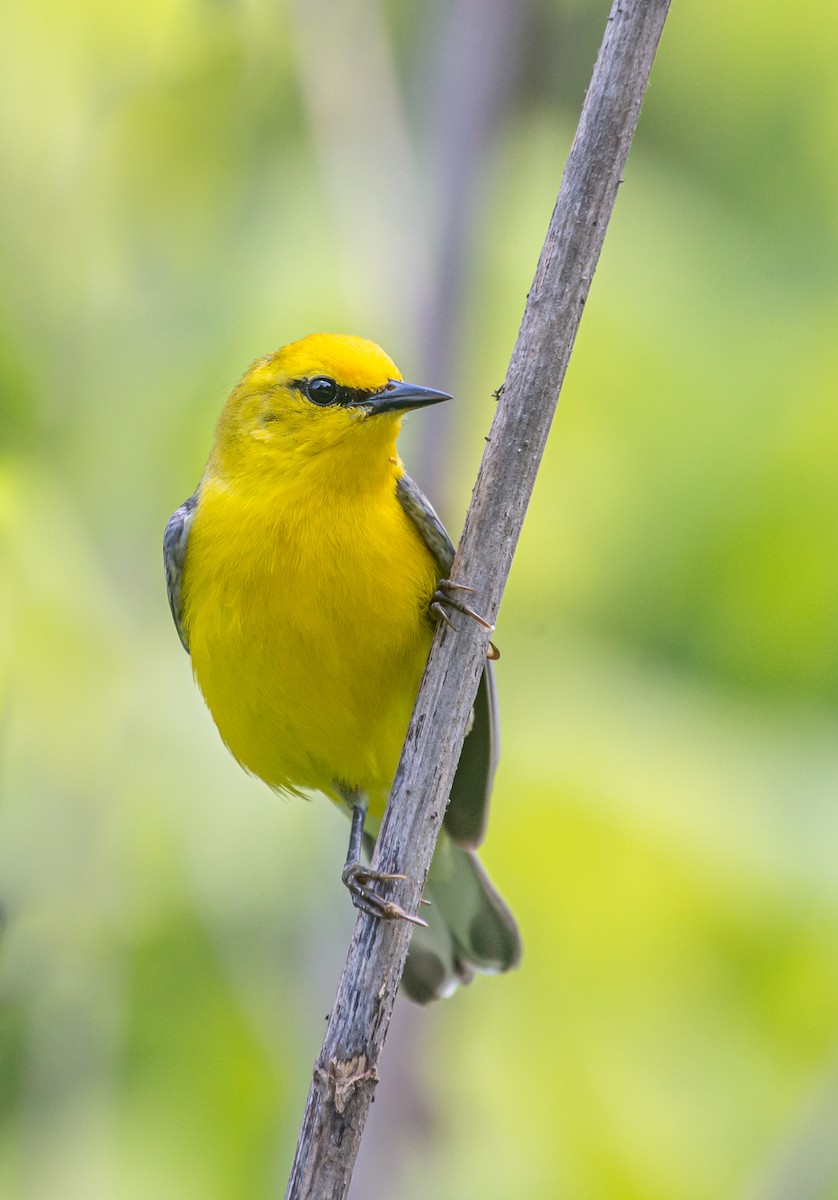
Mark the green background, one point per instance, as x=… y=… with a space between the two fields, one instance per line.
x=187 y=185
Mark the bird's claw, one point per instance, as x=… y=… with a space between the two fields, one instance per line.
x=442 y=596
x=440 y=614
x=357 y=878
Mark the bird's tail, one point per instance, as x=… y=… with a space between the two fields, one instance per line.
x=469 y=927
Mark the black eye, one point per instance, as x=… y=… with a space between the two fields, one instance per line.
x=322 y=390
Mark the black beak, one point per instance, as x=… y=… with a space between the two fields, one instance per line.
x=399 y=396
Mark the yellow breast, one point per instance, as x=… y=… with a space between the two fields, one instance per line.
x=306 y=610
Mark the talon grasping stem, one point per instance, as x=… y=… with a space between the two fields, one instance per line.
x=441 y=596
x=357 y=878
x=440 y=613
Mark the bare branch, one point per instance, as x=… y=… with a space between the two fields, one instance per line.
x=346 y=1071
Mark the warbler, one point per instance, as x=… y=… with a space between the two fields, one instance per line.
x=303 y=577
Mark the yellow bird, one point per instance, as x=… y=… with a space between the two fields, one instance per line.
x=302 y=575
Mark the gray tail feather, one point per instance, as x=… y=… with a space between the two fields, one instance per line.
x=469 y=927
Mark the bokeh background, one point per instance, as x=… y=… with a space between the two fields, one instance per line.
x=188 y=184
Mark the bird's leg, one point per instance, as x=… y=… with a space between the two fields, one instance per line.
x=443 y=596
x=358 y=877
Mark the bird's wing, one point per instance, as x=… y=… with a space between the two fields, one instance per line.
x=421 y=512
x=175 y=540
x=468 y=805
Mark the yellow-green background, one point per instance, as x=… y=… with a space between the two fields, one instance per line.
x=185 y=186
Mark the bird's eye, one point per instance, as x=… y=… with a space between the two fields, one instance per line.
x=322 y=390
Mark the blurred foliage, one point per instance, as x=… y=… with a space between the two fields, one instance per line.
x=188 y=184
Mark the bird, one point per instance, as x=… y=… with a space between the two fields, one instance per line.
x=305 y=576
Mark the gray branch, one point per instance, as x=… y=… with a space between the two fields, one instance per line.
x=346 y=1070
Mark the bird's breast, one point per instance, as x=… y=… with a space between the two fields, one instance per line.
x=308 y=630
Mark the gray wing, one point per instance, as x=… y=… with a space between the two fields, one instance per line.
x=421 y=512
x=175 y=540
x=468 y=805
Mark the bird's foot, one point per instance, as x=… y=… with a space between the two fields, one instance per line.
x=358 y=878
x=443 y=596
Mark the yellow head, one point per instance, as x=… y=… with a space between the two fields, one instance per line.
x=327 y=393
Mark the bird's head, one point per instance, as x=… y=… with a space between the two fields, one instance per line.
x=326 y=392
